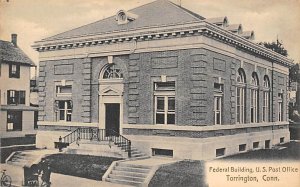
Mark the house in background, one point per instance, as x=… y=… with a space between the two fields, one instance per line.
x=171 y=81
x=17 y=129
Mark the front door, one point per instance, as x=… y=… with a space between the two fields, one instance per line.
x=112 y=118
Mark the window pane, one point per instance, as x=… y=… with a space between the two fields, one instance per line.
x=165 y=86
x=13 y=68
x=10 y=126
x=22 y=97
x=218 y=103
x=66 y=89
x=160 y=103
x=171 y=118
x=238 y=115
x=61 y=115
x=160 y=119
x=61 y=104
x=218 y=118
x=112 y=72
x=69 y=117
x=69 y=104
x=171 y=103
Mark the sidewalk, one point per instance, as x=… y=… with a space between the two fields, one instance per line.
x=57 y=180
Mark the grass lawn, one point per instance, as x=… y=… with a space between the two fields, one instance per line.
x=292 y=152
x=184 y=173
x=86 y=166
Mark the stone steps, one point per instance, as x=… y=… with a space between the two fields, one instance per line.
x=126 y=182
x=132 y=169
x=129 y=174
x=125 y=177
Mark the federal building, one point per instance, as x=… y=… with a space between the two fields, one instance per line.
x=171 y=81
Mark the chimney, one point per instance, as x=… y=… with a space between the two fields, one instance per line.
x=14 y=39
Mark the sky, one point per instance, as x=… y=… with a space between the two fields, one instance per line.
x=34 y=20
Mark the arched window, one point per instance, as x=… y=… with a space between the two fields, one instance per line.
x=254 y=98
x=266 y=100
x=112 y=71
x=240 y=96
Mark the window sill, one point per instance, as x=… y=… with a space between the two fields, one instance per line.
x=63 y=95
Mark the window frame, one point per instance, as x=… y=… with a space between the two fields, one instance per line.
x=254 y=100
x=266 y=100
x=17 y=99
x=115 y=73
x=14 y=70
x=58 y=90
x=241 y=97
x=65 y=110
x=17 y=115
x=167 y=94
x=280 y=107
x=218 y=103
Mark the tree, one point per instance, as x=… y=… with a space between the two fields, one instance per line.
x=294 y=75
x=275 y=46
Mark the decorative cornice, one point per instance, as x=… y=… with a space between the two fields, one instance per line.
x=158 y=33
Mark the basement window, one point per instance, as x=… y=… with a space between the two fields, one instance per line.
x=242 y=147
x=282 y=140
x=220 y=152
x=162 y=152
x=255 y=145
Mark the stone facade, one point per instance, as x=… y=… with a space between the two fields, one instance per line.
x=195 y=72
x=196 y=62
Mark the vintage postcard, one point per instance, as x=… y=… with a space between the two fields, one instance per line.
x=187 y=93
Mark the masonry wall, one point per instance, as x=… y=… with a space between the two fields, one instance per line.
x=194 y=70
x=56 y=71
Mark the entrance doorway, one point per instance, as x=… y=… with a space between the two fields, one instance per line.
x=112 y=118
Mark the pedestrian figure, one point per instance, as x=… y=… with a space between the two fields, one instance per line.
x=45 y=170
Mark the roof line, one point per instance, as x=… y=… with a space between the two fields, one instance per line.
x=94 y=22
x=195 y=15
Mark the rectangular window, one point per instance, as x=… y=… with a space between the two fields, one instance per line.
x=21 y=97
x=14 y=71
x=280 y=107
x=282 y=140
x=253 y=106
x=218 y=109
x=15 y=97
x=218 y=102
x=164 y=102
x=220 y=152
x=255 y=145
x=65 y=110
x=162 y=152
x=165 y=110
x=64 y=90
x=242 y=147
x=14 y=120
x=266 y=106
x=240 y=100
x=11 y=97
